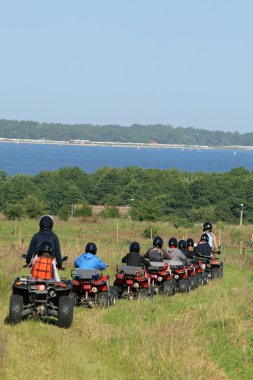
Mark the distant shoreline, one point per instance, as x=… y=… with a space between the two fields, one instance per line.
x=121 y=144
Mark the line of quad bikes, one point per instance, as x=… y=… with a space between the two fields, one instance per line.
x=49 y=298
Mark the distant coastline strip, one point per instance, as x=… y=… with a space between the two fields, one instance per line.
x=120 y=144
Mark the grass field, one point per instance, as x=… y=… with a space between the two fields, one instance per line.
x=206 y=334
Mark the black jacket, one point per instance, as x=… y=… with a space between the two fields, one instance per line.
x=43 y=235
x=203 y=249
x=133 y=259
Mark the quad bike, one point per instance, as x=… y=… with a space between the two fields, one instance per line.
x=212 y=265
x=180 y=275
x=133 y=282
x=201 y=273
x=41 y=295
x=191 y=273
x=161 y=277
x=91 y=288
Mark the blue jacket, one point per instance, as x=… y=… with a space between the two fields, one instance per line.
x=89 y=261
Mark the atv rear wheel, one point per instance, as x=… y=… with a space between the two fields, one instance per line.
x=74 y=297
x=183 y=286
x=103 y=300
x=215 y=273
x=15 y=309
x=145 y=293
x=169 y=288
x=65 y=311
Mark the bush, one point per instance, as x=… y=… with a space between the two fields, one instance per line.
x=84 y=211
x=64 y=212
x=110 y=212
x=14 y=211
x=148 y=230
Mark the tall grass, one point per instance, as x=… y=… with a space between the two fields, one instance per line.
x=206 y=334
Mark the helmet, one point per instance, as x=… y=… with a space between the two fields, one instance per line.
x=45 y=246
x=182 y=244
x=91 y=248
x=204 y=237
x=134 y=247
x=190 y=242
x=172 y=242
x=158 y=242
x=46 y=221
x=207 y=226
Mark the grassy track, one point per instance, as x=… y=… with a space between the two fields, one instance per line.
x=206 y=334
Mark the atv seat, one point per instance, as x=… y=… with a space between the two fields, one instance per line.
x=130 y=270
x=86 y=274
x=175 y=263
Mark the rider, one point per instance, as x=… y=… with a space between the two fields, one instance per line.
x=173 y=252
x=88 y=259
x=208 y=229
x=133 y=258
x=45 y=234
x=157 y=252
x=183 y=248
x=190 y=245
x=203 y=248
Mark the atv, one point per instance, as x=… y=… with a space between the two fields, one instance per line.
x=192 y=268
x=133 y=282
x=91 y=288
x=161 y=277
x=41 y=297
x=180 y=275
x=212 y=265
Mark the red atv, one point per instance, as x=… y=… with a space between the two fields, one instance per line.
x=161 y=277
x=133 y=282
x=201 y=273
x=91 y=288
x=213 y=266
x=180 y=274
x=41 y=295
x=192 y=267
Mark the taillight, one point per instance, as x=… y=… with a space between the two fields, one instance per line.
x=41 y=287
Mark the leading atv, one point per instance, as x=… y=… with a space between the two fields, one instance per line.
x=213 y=265
x=41 y=295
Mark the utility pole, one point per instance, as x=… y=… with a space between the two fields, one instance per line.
x=241 y=214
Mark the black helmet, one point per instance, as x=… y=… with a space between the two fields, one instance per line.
x=91 y=248
x=190 y=242
x=134 y=247
x=172 y=242
x=207 y=226
x=158 y=242
x=46 y=221
x=45 y=246
x=204 y=237
x=182 y=244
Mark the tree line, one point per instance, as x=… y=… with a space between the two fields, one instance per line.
x=172 y=195
x=162 y=134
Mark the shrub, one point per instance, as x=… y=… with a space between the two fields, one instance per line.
x=150 y=230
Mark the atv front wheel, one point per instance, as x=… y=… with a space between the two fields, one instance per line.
x=65 y=312
x=15 y=309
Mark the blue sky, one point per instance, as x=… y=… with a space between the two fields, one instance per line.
x=181 y=62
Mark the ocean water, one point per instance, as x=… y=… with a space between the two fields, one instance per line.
x=34 y=158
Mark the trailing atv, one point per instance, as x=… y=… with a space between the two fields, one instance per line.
x=161 y=277
x=41 y=296
x=133 y=282
x=91 y=288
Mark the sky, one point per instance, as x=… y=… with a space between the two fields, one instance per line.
x=185 y=63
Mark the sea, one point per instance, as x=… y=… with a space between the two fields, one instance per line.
x=26 y=158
